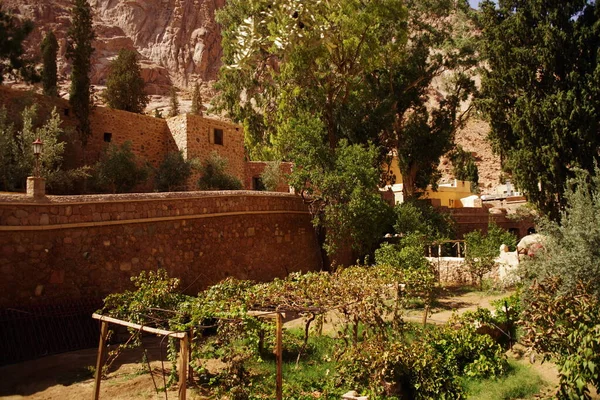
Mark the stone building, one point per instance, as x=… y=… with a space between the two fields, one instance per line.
x=151 y=138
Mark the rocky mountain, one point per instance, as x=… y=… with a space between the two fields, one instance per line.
x=178 y=40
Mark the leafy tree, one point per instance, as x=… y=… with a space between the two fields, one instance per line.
x=12 y=59
x=482 y=250
x=294 y=73
x=158 y=113
x=49 y=75
x=464 y=167
x=16 y=155
x=197 y=105
x=118 y=171
x=540 y=92
x=173 y=172
x=214 y=175
x=79 y=50
x=418 y=217
x=173 y=103
x=124 y=83
x=271 y=175
x=421 y=126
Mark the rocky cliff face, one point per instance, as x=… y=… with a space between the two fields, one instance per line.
x=178 y=40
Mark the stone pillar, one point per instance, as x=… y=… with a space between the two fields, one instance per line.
x=36 y=187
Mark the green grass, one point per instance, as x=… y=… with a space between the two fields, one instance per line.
x=522 y=382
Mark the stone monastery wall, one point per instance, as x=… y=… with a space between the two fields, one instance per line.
x=88 y=246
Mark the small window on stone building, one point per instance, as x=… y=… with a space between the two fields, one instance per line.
x=66 y=112
x=218 y=136
x=257 y=184
x=107 y=137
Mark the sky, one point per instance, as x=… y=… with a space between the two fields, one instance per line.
x=474 y=3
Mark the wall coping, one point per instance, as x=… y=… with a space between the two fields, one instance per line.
x=22 y=199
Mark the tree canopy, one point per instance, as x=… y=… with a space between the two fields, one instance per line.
x=540 y=92
x=12 y=55
x=125 y=85
x=79 y=51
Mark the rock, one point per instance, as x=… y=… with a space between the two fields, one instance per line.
x=353 y=395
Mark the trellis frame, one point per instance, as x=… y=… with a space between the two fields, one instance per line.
x=183 y=350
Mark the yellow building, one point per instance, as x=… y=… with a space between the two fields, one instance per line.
x=454 y=194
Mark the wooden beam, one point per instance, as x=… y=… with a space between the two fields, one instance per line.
x=183 y=365
x=279 y=351
x=178 y=335
x=100 y=359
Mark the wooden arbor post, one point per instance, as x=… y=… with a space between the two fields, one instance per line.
x=183 y=350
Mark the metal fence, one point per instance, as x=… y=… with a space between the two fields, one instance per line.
x=31 y=332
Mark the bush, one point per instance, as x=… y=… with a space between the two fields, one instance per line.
x=173 y=172
x=420 y=217
x=482 y=250
x=271 y=176
x=214 y=176
x=566 y=327
x=118 y=170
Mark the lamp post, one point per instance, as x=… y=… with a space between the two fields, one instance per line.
x=36 y=185
x=38 y=145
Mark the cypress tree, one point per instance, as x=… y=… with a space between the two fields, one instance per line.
x=173 y=103
x=49 y=74
x=79 y=51
x=124 y=84
x=197 y=101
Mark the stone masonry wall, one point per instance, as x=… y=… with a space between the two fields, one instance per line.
x=88 y=246
x=470 y=219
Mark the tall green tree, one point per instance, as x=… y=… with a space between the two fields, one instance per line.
x=49 y=72
x=464 y=167
x=79 y=50
x=173 y=103
x=294 y=73
x=426 y=88
x=197 y=105
x=125 y=85
x=541 y=92
x=12 y=55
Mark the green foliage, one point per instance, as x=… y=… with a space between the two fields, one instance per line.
x=158 y=113
x=416 y=217
x=12 y=56
x=468 y=353
x=539 y=92
x=214 y=175
x=173 y=103
x=482 y=250
x=271 y=175
x=571 y=247
x=566 y=327
x=464 y=167
x=118 y=171
x=399 y=370
x=173 y=172
x=80 y=37
x=422 y=126
x=17 y=161
x=380 y=361
x=197 y=105
x=124 y=83
x=49 y=48
x=520 y=382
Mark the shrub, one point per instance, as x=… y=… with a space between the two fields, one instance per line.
x=214 y=176
x=566 y=327
x=271 y=176
x=420 y=217
x=482 y=250
x=173 y=172
x=118 y=170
